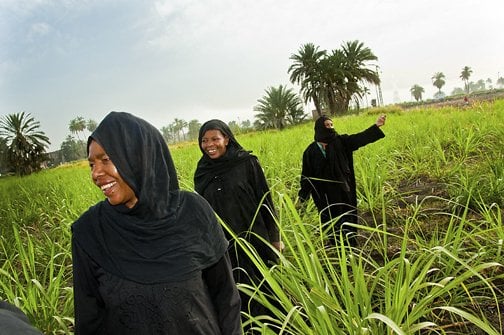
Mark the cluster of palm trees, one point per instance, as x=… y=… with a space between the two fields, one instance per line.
x=439 y=80
x=176 y=131
x=333 y=80
x=22 y=144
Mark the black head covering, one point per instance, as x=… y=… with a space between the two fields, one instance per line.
x=169 y=233
x=142 y=158
x=207 y=167
x=323 y=134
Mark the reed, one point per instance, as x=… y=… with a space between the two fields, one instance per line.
x=429 y=261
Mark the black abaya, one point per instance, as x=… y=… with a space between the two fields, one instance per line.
x=328 y=175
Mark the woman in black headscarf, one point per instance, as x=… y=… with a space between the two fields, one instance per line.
x=150 y=258
x=328 y=173
x=233 y=182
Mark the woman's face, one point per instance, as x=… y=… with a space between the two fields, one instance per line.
x=107 y=178
x=328 y=123
x=214 y=143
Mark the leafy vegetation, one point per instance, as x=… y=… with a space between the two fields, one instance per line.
x=438 y=80
x=417 y=91
x=464 y=75
x=24 y=144
x=279 y=107
x=332 y=81
x=429 y=261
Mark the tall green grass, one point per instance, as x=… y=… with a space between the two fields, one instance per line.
x=429 y=259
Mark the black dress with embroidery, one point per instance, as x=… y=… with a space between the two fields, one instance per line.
x=108 y=304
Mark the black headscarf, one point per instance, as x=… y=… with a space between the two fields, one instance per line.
x=323 y=134
x=207 y=167
x=169 y=233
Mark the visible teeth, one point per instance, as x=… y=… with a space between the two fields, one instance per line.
x=104 y=187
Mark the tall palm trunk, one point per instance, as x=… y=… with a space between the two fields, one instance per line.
x=316 y=102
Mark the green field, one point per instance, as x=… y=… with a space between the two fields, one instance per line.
x=431 y=199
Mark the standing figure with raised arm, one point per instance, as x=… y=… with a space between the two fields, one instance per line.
x=328 y=174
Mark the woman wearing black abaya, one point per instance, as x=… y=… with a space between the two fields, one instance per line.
x=233 y=182
x=150 y=259
x=328 y=172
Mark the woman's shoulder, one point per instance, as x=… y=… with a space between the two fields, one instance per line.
x=87 y=218
x=192 y=199
x=312 y=146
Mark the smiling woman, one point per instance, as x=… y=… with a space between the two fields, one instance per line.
x=150 y=258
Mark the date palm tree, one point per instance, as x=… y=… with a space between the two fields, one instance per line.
x=464 y=75
x=417 y=91
x=438 y=80
x=77 y=125
x=358 y=69
x=306 y=72
x=336 y=79
x=25 y=143
x=91 y=125
x=278 y=107
x=178 y=128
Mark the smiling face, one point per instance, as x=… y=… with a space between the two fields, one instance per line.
x=214 y=143
x=107 y=178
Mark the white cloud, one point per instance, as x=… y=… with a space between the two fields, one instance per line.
x=39 y=29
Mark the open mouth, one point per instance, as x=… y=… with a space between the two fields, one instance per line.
x=107 y=188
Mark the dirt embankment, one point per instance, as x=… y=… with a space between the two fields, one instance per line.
x=459 y=100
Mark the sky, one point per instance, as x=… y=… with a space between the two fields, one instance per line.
x=204 y=59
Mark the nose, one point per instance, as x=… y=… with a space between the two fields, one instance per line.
x=96 y=171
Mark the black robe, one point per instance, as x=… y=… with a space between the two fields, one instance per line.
x=14 y=321
x=235 y=187
x=160 y=267
x=330 y=178
x=235 y=196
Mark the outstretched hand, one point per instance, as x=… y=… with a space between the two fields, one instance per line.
x=381 y=120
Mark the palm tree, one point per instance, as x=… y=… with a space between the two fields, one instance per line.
x=278 y=107
x=336 y=79
x=3 y=155
x=306 y=72
x=178 y=127
x=464 y=75
x=168 y=133
x=438 y=80
x=25 y=143
x=71 y=149
x=358 y=70
x=193 y=129
x=417 y=91
x=91 y=125
x=77 y=125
